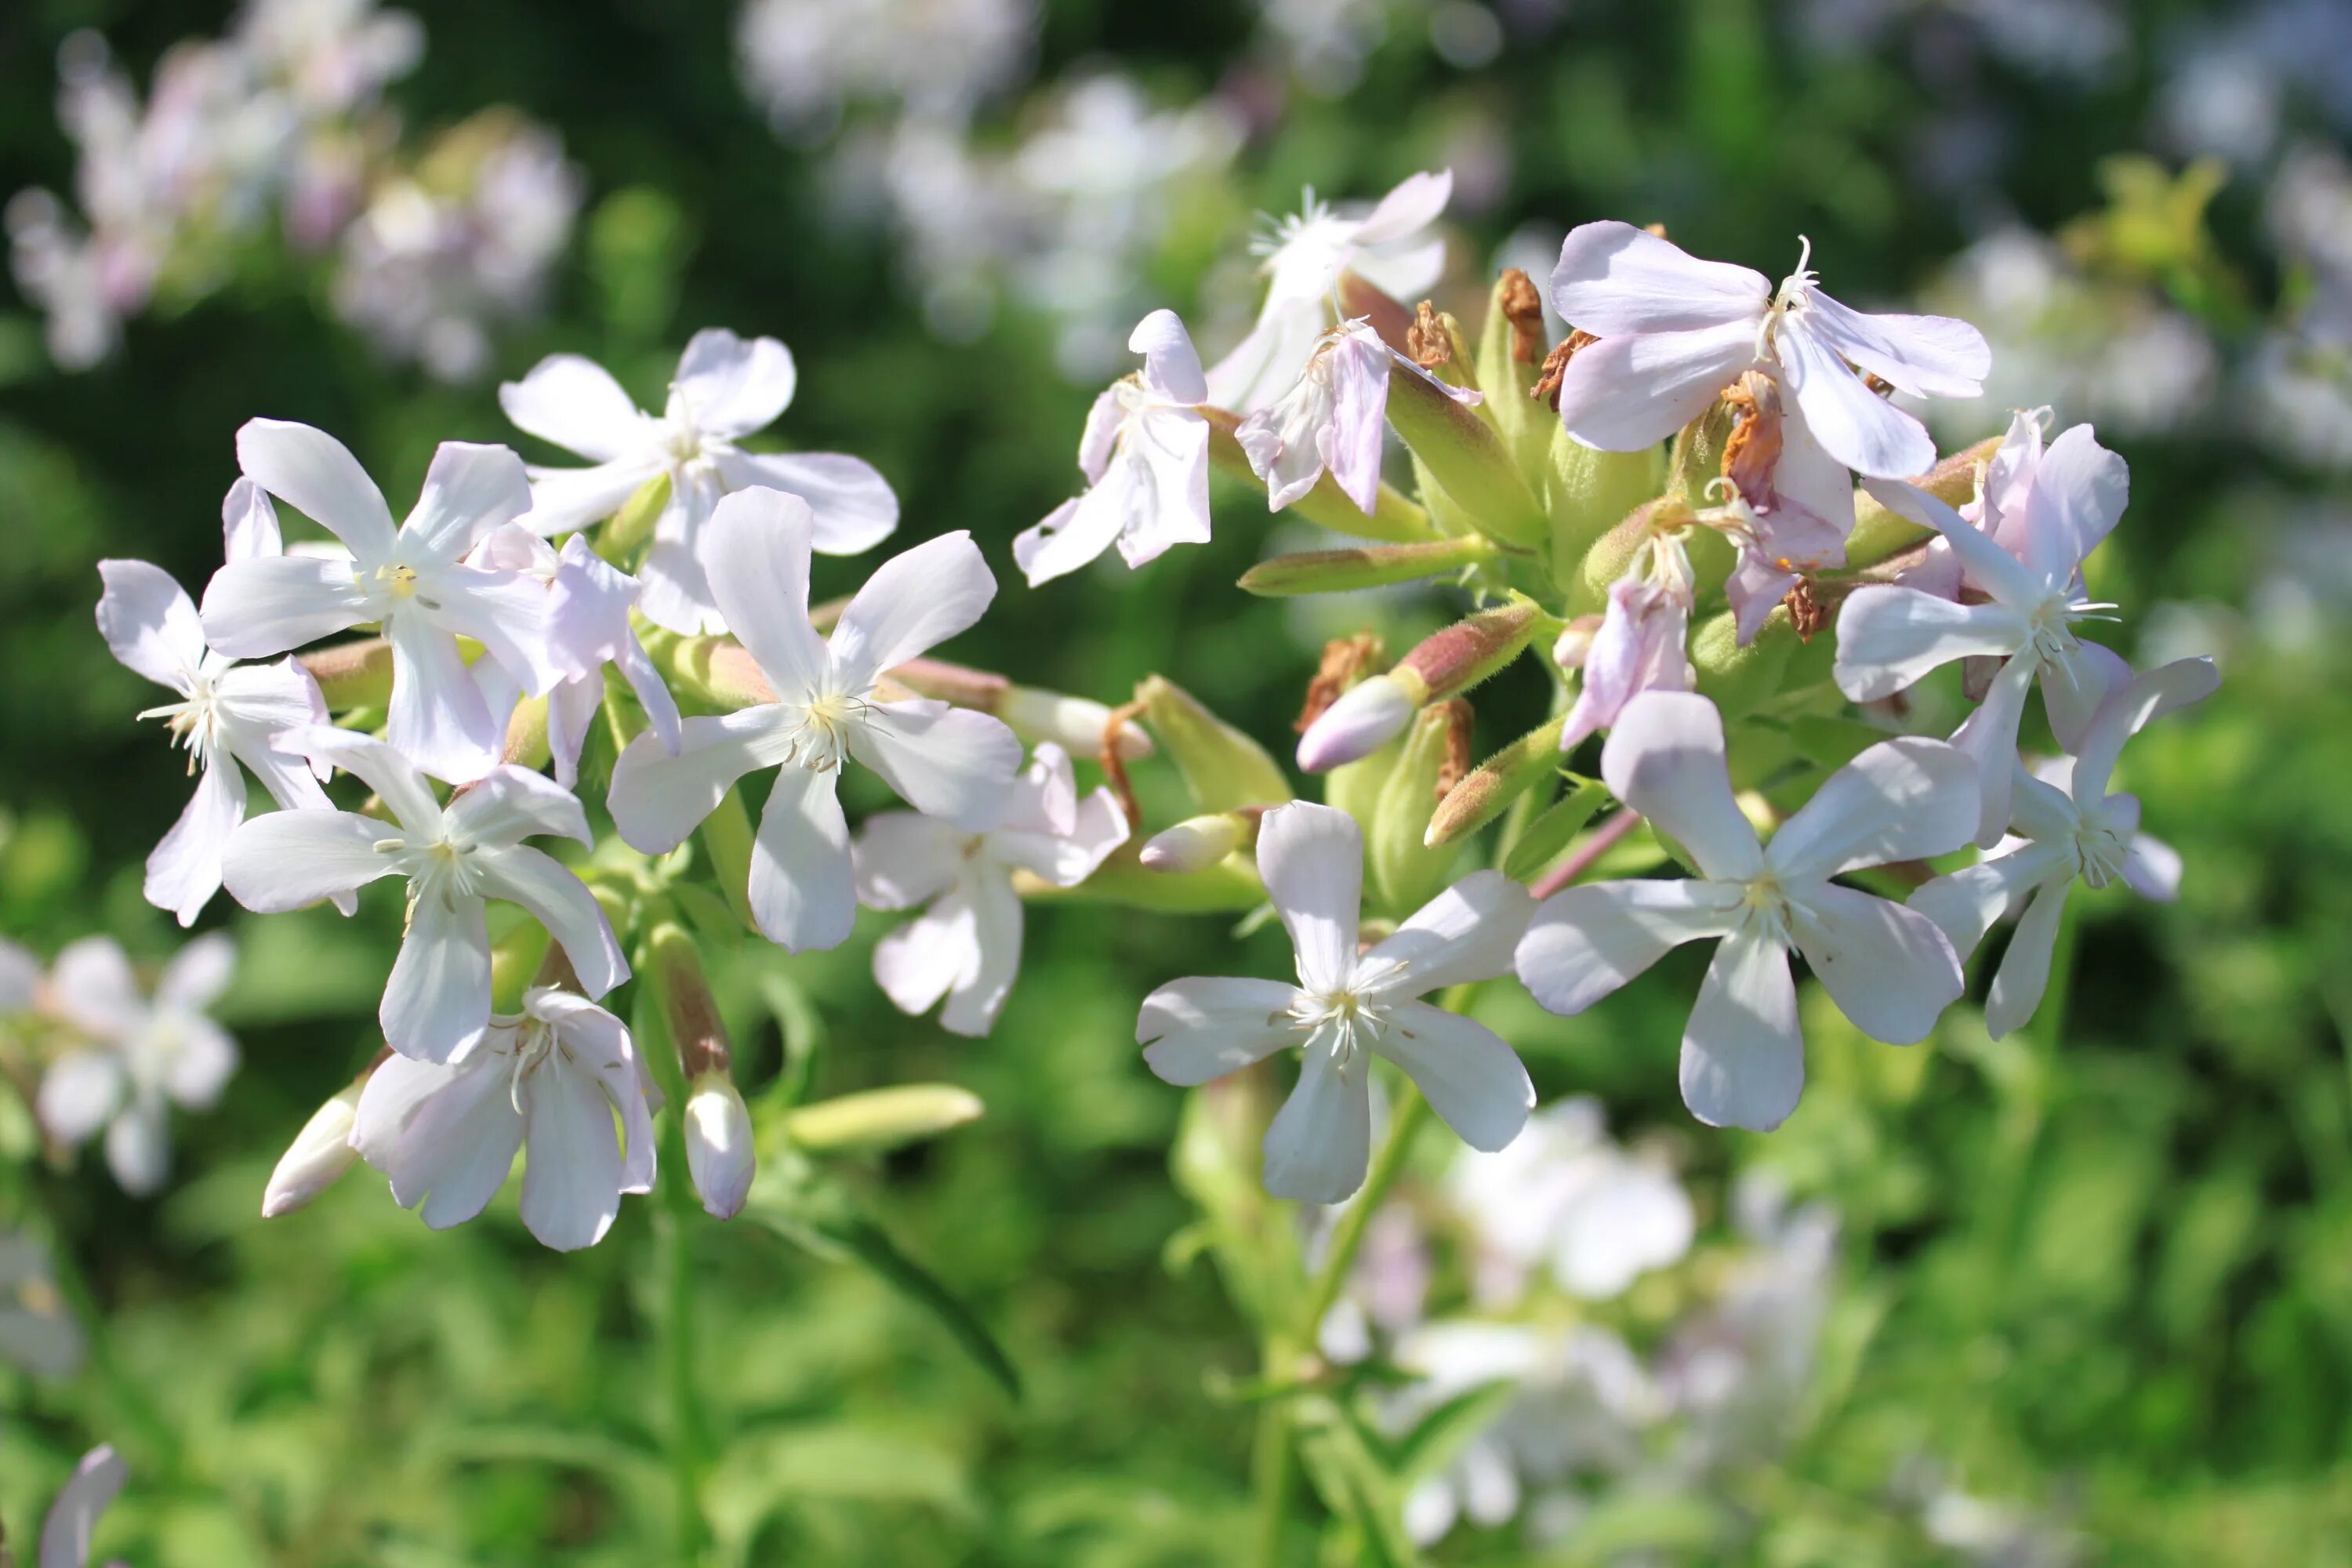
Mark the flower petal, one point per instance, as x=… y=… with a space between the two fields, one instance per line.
x=755 y=551
x=903 y=858
x=289 y=858
x=1965 y=903
x=803 y=893
x=382 y=767
x=1853 y=424
x=438 y=717
x=995 y=920
x=248 y=522
x=1074 y=532
x=915 y=600
x=1743 y=1059
x=1319 y=1142
x=255 y=703
x=735 y=386
x=1585 y=943
x=510 y=804
x=1469 y=931
x=183 y=871
x=260 y=607
x=438 y=1001
x=1067 y=860
x=78 y=1094
x=1928 y=356
x=572 y=1182
x=1614 y=278
x=1887 y=967
x=2152 y=869
x=927 y=957
x=202 y=1064
x=1989 y=737
x=1171 y=366
x=1904 y=799
x=944 y=762
x=1994 y=569
x=575 y=402
x=2023 y=977
x=852 y=506
x=658 y=798
x=510 y=613
x=1198 y=1029
x=1312 y=858
x=1626 y=393
x=2080 y=491
x=470 y=490
x=73 y=1518
x=1890 y=637
x=149 y=623
x=2148 y=697
x=1411 y=205
x=444 y=1136
x=317 y=474
x=561 y=902
x=139 y=1146
x=1474 y=1080
x=563 y=499
x=1172 y=444
x=1666 y=760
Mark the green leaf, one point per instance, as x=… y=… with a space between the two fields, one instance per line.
x=1550 y=834
x=819 y=1218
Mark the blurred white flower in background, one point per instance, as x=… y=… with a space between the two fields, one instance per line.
x=38 y=1332
x=806 y=60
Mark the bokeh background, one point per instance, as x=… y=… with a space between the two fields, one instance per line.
x=2089 y=1298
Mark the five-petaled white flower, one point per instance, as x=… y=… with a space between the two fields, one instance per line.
x=228 y=714
x=437 y=1002
x=411 y=580
x=1331 y=419
x=1674 y=331
x=552 y=1077
x=1347 y=1009
x=1886 y=967
x=1144 y=455
x=1390 y=247
x=587 y=628
x=2069 y=829
x=944 y=762
x=726 y=388
x=141 y=1053
x=1889 y=636
x=966 y=946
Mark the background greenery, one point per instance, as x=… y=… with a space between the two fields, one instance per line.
x=2103 y=1271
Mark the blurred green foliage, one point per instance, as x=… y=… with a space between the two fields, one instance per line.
x=2104 y=1270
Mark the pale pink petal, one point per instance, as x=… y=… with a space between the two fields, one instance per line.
x=149 y=624
x=438 y=718
x=79 y=1094
x=2152 y=869
x=927 y=957
x=575 y=402
x=563 y=499
x=1172 y=444
x=1904 y=799
x=1889 y=637
x=1743 y=1059
x=382 y=767
x=139 y=1146
x=255 y=703
x=248 y=522
x=993 y=913
x=2080 y=490
x=317 y=474
x=1584 y=942
x=510 y=804
x=202 y=1064
x=444 y=1136
x=2075 y=683
x=72 y=1519
x=1350 y=446
x=1887 y=967
x=1666 y=760
x=1074 y=532
x=1994 y=569
x=1928 y=356
x=1312 y=858
x=1198 y=1029
x=1989 y=737
x=1614 y=278
x=1627 y=394
x=1853 y=424
x=2147 y=698
x=1411 y=205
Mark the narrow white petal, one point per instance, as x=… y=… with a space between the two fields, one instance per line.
x=945 y=762
x=509 y=804
x=571 y=1181
x=248 y=522
x=260 y=607
x=1585 y=943
x=575 y=402
x=290 y=858
x=470 y=489
x=1473 y=1079
x=903 y=858
x=658 y=798
x=1965 y=903
x=1928 y=356
x=755 y=550
x=317 y=474
x=73 y=1518
x=1319 y=1142
x=1743 y=1059
x=852 y=506
x=927 y=957
x=1198 y=1029
x=563 y=499
x=2123 y=715
x=1989 y=738
x=1853 y=424
x=438 y=1001
x=1614 y=278
x=2023 y=977
x=803 y=893
x=1887 y=967
x=1890 y=637
x=1626 y=393
x=1904 y=799
x=914 y=601
x=1171 y=366
x=79 y=1095
x=149 y=623
x=1666 y=760
x=183 y=871
x=138 y=1145
x=1312 y=858
x=1074 y=532
x=1469 y=931
x=438 y=717
x=561 y=903
x=735 y=386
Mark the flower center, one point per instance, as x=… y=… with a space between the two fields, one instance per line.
x=1763 y=898
x=684 y=443
x=1343 y=1021
x=442 y=868
x=194 y=721
x=821 y=736
x=2099 y=849
x=535 y=1045
x=1791 y=297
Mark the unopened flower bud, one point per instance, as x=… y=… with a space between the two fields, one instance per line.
x=719 y=1145
x=1452 y=661
x=1368 y=716
x=1365 y=566
x=1467 y=459
x=1489 y=789
x=1575 y=642
x=1408 y=871
x=1195 y=844
x=1223 y=767
x=319 y=1155
x=1074 y=724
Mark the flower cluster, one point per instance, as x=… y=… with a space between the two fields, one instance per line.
x=285 y=118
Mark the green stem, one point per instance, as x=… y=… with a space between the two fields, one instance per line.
x=674 y=1238
x=1270 y=1468
x=1406 y=1114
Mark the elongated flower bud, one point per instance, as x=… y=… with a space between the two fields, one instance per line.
x=1364 y=566
x=718 y=1144
x=319 y=1155
x=1074 y=724
x=1197 y=843
x=1587 y=492
x=1489 y=789
x=1221 y=766
x=1407 y=869
x=1465 y=457
x=1452 y=661
x=1368 y=716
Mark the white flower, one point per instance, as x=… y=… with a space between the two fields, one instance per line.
x=437 y=1002
x=1674 y=331
x=2069 y=829
x=73 y=1516
x=226 y=714
x=321 y=1152
x=1889 y=636
x=552 y=1077
x=1390 y=247
x=143 y=1054
x=412 y=581
x=38 y=1330
x=1331 y=419
x=966 y=946
x=1564 y=1195
x=726 y=388
x=1144 y=455
x=587 y=627
x=1886 y=967
x=1643 y=643
x=944 y=762
x=1347 y=1009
